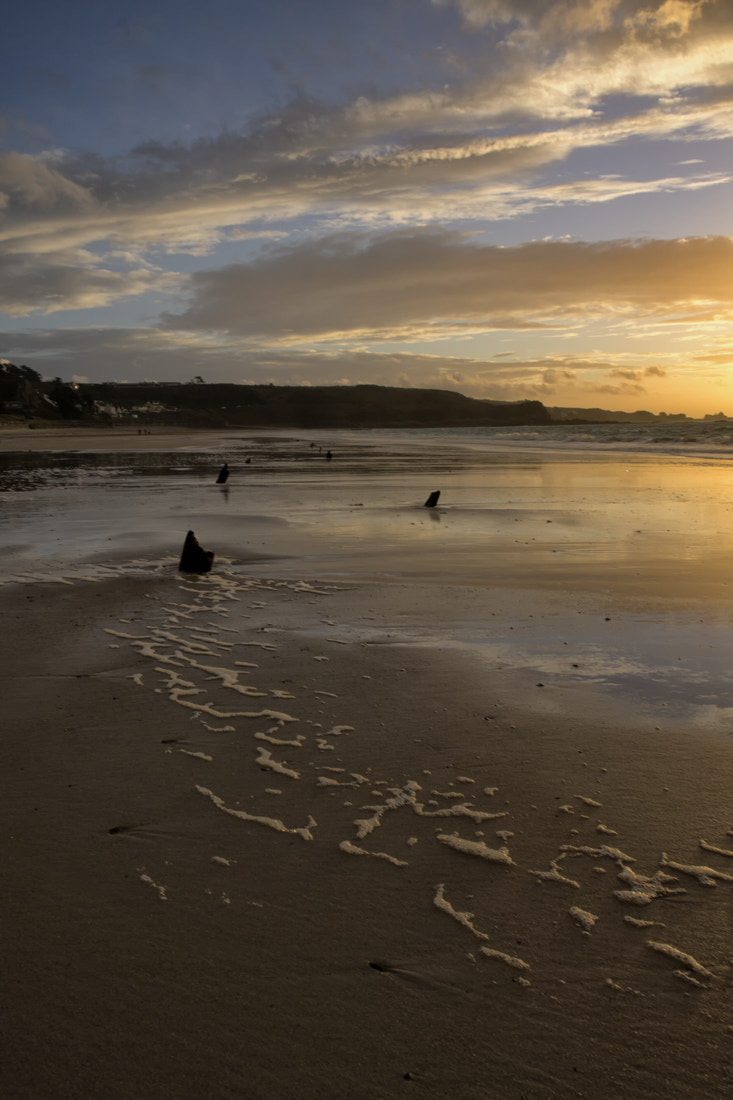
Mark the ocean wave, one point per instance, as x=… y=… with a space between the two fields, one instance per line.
x=694 y=437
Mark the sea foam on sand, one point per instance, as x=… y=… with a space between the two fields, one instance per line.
x=171 y=637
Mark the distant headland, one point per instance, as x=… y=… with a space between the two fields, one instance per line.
x=26 y=396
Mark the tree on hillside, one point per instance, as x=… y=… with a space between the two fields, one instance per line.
x=65 y=398
x=19 y=386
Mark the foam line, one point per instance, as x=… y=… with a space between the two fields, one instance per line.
x=208 y=708
x=706 y=876
x=270 y=822
x=680 y=956
x=173 y=639
x=229 y=677
x=510 y=960
x=185 y=687
x=145 y=877
x=466 y=919
x=585 y=919
x=460 y=810
x=264 y=759
x=401 y=796
x=555 y=875
x=354 y=850
x=148 y=649
x=644 y=889
x=717 y=851
x=604 y=852
x=477 y=848
x=297 y=744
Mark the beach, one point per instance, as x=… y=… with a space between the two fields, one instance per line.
x=393 y=801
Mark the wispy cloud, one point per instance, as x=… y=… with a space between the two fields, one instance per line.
x=422 y=155
x=75 y=281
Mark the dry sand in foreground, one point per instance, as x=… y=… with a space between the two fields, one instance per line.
x=365 y=890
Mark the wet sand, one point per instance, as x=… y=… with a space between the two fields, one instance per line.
x=250 y=854
x=56 y=437
x=269 y=835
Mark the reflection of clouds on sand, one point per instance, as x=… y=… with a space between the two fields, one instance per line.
x=575 y=517
x=672 y=661
x=410 y=819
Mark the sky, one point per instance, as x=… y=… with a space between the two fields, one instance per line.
x=513 y=199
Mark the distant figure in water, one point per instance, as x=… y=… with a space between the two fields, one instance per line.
x=432 y=499
x=329 y=456
x=194 y=559
x=223 y=474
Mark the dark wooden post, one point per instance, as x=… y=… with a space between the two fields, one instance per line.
x=194 y=559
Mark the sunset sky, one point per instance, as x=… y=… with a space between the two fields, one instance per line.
x=509 y=198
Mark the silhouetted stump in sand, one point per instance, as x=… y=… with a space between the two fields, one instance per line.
x=223 y=474
x=194 y=559
x=432 y=499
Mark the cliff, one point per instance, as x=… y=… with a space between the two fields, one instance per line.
x=224 y=405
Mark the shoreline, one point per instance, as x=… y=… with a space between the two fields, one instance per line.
x=111 y=439
x=633 y=441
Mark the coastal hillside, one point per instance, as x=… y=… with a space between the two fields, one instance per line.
x=26 y=395
x=211 y=405
x=217 y=405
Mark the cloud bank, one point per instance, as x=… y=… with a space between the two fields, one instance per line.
x=430 y=284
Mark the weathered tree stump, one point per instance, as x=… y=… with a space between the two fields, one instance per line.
x=194 y=559
x=432 y=499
